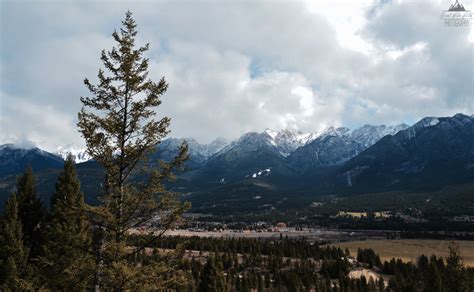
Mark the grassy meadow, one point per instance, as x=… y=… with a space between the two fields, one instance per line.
x=410 y=249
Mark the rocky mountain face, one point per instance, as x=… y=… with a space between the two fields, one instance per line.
x=287 y=141
x=14 y=159
x=433 y=152
x=269 y=149
x=198 y=153
x=289 y=152
x=247 y=155
x=368 y=135
x=337 y=145
x=166 y=150
x=333 y=147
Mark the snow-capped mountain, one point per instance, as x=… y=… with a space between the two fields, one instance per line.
x=336 y=132
x=78 y=153
x=215 y=146
x=337 y=145
x=423 y=123
x=434 y=151
x=166 y=150
x=198 y=153
x=250 y=142
x=334 y=146
x=250 y=154
x=368 y=135
x=288 y=141
x=283 y=142
x=286 y=149
x=14 y=159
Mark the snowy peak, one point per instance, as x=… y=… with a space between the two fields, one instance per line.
x=11 y=146
x=79 y=154
x=337 y=132
x=426 y=122
x=207 y=150
x=198 y=153
x=271 y=133
x=216 y=145
x=254 y=138
x=15 y=158
x=337 y=145
x=294 y=137
x=17 y=151
x=368 y=135
x=443 y=122
x=287 y=141
x=431 y=152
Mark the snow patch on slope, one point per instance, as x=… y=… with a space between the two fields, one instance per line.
x=264 y=172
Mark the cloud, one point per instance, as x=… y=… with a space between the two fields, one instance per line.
x=25 y=123
x=237 y=67
x=222 y=88
x=428 y=67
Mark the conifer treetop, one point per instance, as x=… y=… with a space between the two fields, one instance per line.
x=118 y=122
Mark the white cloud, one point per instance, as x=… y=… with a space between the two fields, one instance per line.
x=222 y=87
x=237 y=67
x=306 y=99
x=348 y=17
x=397 y=53
x=24 y=123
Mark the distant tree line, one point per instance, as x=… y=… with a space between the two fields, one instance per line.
x=238 y=264
x=284 y=247
x=56 y=249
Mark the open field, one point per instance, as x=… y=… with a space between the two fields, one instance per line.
x=410 y=249
x=311 y=235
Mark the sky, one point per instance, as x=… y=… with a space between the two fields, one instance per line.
x=238 y=66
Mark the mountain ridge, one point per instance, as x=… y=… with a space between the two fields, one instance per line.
x=432 y=153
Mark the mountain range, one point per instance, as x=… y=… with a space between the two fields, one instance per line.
x=271 y=165
x=14 y=159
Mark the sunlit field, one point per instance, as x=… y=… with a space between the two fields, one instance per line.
x=410 y=249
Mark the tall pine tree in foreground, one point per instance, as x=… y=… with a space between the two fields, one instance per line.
x=119 y=126
x=15 y=271
x=67 y=261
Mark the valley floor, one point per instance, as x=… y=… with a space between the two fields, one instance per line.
x=410 y=249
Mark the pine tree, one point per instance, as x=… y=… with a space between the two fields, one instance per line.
x=261 y=285
x=118 y=125
x=15 y=271
x=211 y=279
x=67 y=261
x=245 y=284
x=31 y=212
x=433 y=282
x=381 y=284
x=455 y=274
